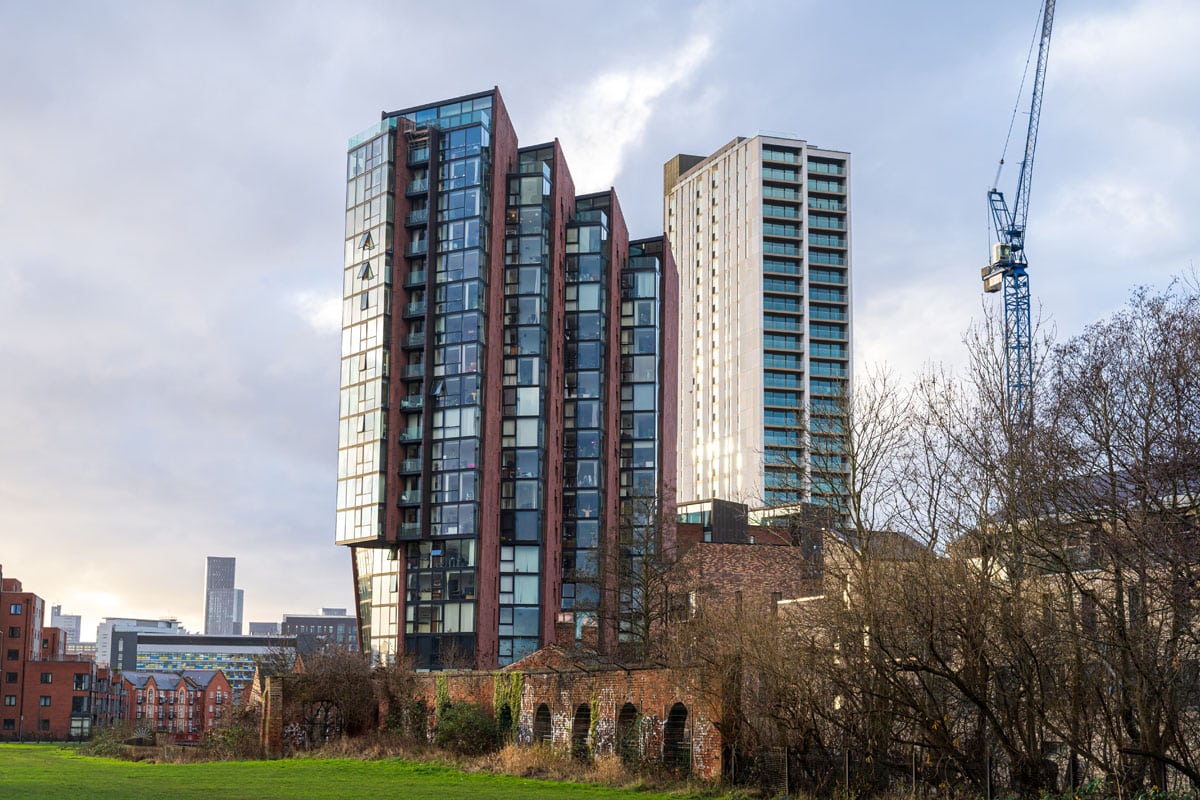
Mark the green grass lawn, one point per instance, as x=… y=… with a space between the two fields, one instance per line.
x=29 y=772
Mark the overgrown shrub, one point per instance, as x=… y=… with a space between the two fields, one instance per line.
x=408 y=719
x=466 y=729
x=237 y=737
x=106 y=743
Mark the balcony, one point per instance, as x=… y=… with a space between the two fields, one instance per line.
x=413 y=402
x=826 y=276
x=410 y=466
x=822 y=185
x=826 y=204
x=416 y=218
x=418 y=155
x=414 y=371
x=828 y=313
x=417 y=187
x=418 y=248
x=412 y=498
x=414 y=279
x=826 y=168
x=828 y=295
x=410 y=530
x=410 y=435
x=415 y=309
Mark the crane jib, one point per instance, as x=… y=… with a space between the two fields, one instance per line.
x=1007 y=267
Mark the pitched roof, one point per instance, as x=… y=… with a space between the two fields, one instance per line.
x=200 y=677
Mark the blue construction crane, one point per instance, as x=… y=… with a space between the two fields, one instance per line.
x=1008 y=267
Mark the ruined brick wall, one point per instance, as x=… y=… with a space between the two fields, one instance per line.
x=598 y=694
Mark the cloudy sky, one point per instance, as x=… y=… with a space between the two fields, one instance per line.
x=171 y=214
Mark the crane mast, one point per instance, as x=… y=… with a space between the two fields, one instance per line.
x=1008 y=267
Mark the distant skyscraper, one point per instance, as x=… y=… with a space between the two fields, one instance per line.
x=222 y=602
x=761 y=233
x=70 y=623
x=507 y=384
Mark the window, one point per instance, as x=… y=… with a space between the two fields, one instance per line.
x=10 y=699
x=14 y=632
x=83 y=681
x=13 y=655
x=43 y=724
x=15 y=609
x=47 y=677
x=10 y=677
x=10 y=725
x=44 y=701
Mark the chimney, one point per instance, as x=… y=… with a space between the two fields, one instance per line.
x=590 y=637
x=564 y=629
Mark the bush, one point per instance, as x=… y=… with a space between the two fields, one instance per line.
x=466 y=729
x=105 y=743
x=408 y=719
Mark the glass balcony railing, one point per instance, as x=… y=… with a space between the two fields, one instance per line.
x=826 y=168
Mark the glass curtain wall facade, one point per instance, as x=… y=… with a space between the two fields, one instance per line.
x=645 y=532
x=415 y=304
x=478 y=444
x=762 y=229
x=584 y=441
x=523 y=492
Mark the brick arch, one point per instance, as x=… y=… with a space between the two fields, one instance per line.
x=628 y=744
x=543 y=730
x=581 y=726
x=677 y=745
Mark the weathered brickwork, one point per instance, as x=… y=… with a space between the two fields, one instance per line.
x=584 y=698
x=597 y=692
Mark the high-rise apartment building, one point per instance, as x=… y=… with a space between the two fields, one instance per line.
x=507 y=391
x=222 y=602
x=761 y=233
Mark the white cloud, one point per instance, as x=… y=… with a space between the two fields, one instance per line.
x=1149 y=46
x=322 y=311
x=597 y=124
x=1136 y=216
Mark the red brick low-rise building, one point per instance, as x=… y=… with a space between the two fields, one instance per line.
x=184 y=704
x=45 y=694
